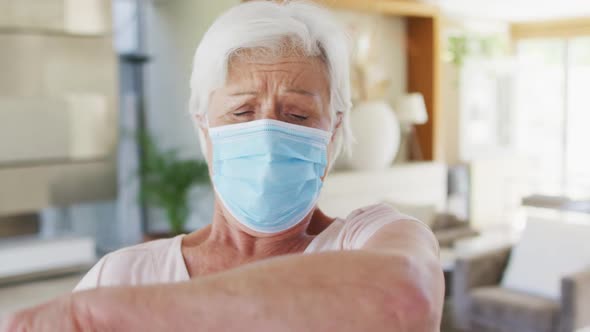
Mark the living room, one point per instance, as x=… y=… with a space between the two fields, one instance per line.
x=467 y=115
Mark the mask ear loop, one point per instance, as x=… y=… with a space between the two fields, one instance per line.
x=203 y=126
x=333 y=123
x=333 y=133
x=204 y=121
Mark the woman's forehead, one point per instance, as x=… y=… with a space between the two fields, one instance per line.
x=306 y=74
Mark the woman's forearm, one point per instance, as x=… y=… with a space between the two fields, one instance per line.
x=343 y=291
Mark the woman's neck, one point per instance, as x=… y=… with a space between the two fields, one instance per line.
x=257 y=246
x=319 y=222
x=224 y=245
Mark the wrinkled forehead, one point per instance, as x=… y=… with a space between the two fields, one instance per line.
x=304 y=73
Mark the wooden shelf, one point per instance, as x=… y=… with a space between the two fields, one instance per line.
x=393 y=7
x=554 y=28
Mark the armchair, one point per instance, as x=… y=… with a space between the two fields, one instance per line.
x=575 y=301
x=480 y=304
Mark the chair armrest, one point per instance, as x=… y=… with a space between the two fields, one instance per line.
x=575 y=301
x=483 y=269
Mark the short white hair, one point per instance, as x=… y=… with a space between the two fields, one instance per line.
x=267 y=25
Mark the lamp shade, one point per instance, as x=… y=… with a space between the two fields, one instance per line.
x=411 y=109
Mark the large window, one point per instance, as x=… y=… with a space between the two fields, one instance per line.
x=552 y=124
x=577 y=138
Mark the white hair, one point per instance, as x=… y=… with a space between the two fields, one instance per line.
x=308 y=28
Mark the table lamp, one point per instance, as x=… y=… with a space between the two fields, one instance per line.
x=411 y=111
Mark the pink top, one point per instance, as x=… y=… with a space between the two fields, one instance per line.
x=161 y=261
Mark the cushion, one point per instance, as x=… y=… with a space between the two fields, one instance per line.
x=547 y=251
x=502 y=309
x=424 y=213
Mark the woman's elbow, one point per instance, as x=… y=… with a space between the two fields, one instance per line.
x=416 y=295
x=420 y=311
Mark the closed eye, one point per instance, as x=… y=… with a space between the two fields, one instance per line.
x=242 y=113
x=299 y=117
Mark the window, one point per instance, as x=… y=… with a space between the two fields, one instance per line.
x=578 y=117
x=553 y=113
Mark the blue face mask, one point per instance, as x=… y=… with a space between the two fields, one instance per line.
x=267 y=173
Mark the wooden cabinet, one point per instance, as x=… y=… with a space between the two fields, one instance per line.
x=423 y=57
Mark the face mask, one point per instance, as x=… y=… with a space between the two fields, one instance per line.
x=267 y=173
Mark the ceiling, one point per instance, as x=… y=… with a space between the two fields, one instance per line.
x=515 y=10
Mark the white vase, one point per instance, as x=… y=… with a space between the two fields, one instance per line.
x=377 y=134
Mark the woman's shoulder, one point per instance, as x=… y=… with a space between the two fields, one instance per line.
x=352 y=232
x=375 y=212
x=146 y=263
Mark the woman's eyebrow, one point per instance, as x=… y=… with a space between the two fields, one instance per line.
x=243 y=93
x=302 y=92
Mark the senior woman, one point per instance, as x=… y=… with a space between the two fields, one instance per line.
x=270 y=98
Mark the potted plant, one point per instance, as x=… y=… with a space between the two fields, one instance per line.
x=165 y=183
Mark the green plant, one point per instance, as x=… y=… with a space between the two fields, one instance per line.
x=460 y=47
x=457 y=47
x=166 y=180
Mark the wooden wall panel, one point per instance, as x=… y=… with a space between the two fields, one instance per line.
x=58 y=104
x=80 y=17
x=39 y=130
x=423 y=74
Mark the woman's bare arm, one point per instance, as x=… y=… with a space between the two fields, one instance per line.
x=395 y=284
